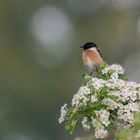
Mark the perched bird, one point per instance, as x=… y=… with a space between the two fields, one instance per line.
x=92 y=56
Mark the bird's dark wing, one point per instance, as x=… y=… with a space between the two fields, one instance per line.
x=100 y=53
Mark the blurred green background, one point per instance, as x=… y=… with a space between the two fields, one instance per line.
x=40 y=59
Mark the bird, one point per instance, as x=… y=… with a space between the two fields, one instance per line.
x=92 y=56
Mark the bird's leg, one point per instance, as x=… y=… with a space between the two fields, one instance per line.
x=91 y=73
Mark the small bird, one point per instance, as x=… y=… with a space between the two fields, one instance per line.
x=92 y=56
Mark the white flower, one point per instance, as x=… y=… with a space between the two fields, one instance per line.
x=63 y=113
x=85 y=123
x=111 y=84
x=123 y=125
x=115 y=70
x=96 y=123
x=133 y=106
x=104 y=71
x=97 y=83
x=114 y=76
x=110 y=103
x=81 y=97
x=101 y=133
x=125 y=115
x=125 y=91
x=94 y=98
x=103 y=116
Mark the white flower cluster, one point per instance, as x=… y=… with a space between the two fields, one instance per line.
x=85 y=123
x=81 y=97
x=101 y=132
x=99 y=123
x=103 y=116
x=97 y=83
x=120 y=97
x=112 y=105
x=63 y=113
x=114 y=69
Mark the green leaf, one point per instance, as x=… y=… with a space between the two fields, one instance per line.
x=70 y=125
x=86 y=78
x=99 y=71
x=124 y=134
x=103 y=93
x=91 y=87
x=122 y=77
x=72 y=111
x=100 y=106
x=137 y=120
x=114 y=98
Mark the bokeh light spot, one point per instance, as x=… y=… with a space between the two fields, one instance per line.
x=52 y=28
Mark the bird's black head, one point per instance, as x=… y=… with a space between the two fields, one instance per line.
x=89 y=45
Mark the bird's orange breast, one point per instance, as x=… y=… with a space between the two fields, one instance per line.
x=92 y=55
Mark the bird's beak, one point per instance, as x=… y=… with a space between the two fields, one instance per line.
x=81 y=46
